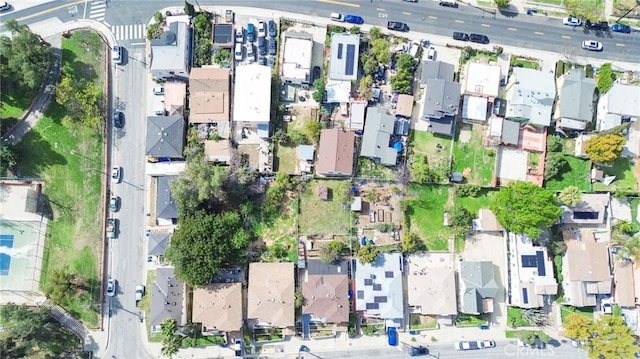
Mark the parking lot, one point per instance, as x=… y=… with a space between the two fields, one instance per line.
x=255 y=40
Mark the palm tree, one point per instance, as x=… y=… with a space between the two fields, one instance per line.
x=570 y=196
x=627 y=243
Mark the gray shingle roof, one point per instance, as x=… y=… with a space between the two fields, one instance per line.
x=478 y=283
x=378 y=129
x=576 y=96
x=436 y=70
x=442 y=98
x=158 y=243
x=165 y=136
x=165 y=205
x=510 y=132
x=167 y=294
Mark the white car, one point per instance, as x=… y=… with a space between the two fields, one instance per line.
x=592 y=45
x=114 y=203
x=240 y=35
x=116 y=174
x=116 y=55
x=431 y=54
x=139 y=292
x=112 y=286
x=262 y=29
x=238 y=52
x=571 y=21
x=158 y=90
x=4 y=6
x=336 y=17
x=251 y=53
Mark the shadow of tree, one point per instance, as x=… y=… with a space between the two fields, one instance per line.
x=36 y=155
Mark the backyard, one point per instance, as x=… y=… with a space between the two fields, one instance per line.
x=473 y=204
x=575 y=174
x=369 y=169
x=285 y=159
x=425 y=215
x=436 y=149
x=279 y=237
x=69 y=160
x=475 y=161
x=325 y=217
x=624 y=170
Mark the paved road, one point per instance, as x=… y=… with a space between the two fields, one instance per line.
x=126 y=253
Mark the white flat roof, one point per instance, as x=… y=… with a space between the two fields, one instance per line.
x=483 y=79
x=475 y=108
x=296 y=63
x=252 y=94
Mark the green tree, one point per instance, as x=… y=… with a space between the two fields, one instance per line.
x=405 y=62
x=81 y=98
x=570 y=196
x=355 y=30
x=318 y=94
x=365 y=88
x=577 y=327
x=370 y=65
x=61 y=287
x=554 y=144
x=581 y=9
x=604 y=148
x=410 y=242
x=375 y=33
x=368 y=253
x=299 y=299
x=528 y=337
x=502 y=4
x=610 y=337
x=381 y=50
x=280 y=137
x=204 y=243
x=25 y=58
x=171 y=341
x=605 y=78
x=312 y=130
x=555 y=164
x=421 y=170
x=522 y=207
x=222 y=57
x=468 y=190
x=202 y=32
x=32 y=332
x=460 y=221
x=8 y=157
x=332 y=252
x=189 y=9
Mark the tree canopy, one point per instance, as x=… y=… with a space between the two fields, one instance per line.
x=577 y=327
x=368 y=253
x=605 y=78
x=610 y=337
x=30 y=332
x=205 y=243
x=332 y=252
x=604 y=148
x=24 y=58
x=570 y=196
x=523 y=207
x=8 y=157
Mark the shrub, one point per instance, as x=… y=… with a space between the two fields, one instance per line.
x=588 y=71
x=605 y=78
x=468 y=190
x=384 y=227
x=559 y=68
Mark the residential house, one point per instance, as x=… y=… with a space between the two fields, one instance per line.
x=576 y=101
x=531 y=280
x=296 y=58
x=442 y=97
x=531 y=95
x=593 y=210
x=218 y=308
x=306 y=154
x=620 y=104
x=379 y=291
x=218 y=152
x=157 y=243
x=325 y=288
x=477 y=286
x=166 y=208
x=271 y=296
x=431 y=285
x=356 y=117
x=175 y=97
x=209 y=98
x=343 y=61
x=486 y=222
x=171 y=53
x=167 y=299
x=376 y=140
x=623 y=279
x=253 y=86
x=335 y=153
x=165 y=137
x=585 y=269
x=481 y=86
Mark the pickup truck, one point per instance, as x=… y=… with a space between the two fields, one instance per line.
x=397 y=26
x=112 y=223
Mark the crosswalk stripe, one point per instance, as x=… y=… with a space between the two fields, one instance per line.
x=129 y=32
x=98 y=7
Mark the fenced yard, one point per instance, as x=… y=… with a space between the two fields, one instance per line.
x=436 y=149
x=624 y=170
x=325 y=217
x=426 y=205
x=471 y=157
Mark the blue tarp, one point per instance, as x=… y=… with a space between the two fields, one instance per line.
x=363 y=241
x=397 y=146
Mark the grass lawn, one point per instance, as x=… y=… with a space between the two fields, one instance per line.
x=286 y=158
x=425 y=213
x=634 y=210
x=437 y=149
x=319 y=217
x=565 y=310
x=550 y=2
x=145 y=306
x=472 y=158
x=473 y=204
x=73 y=186
x=368 y=169
x=515 y=318
x=517 y=62
x=483 y=55
x=513 y=334
x=623 y=169
x=577 y=174
x=418 y=321
x=469 y=320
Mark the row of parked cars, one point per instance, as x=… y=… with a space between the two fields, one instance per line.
x=597 y=26
x=264 y=45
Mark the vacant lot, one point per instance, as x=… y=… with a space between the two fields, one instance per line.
x=70 y=162
x=472 y=158
x=426 y=205
x=437 y=149
x=624 y=170
x=325 y=217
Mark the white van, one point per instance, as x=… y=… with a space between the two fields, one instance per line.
x=336 y=17
x=116 y=55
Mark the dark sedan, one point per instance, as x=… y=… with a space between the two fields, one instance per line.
x=481 y=39
x=118 y=119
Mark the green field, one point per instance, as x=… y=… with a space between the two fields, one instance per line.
x=425 y=213
x=624 y=170
x=473 y=204
x=286 y=159
x=576 y=174
x=473 y=158
x=324 y=217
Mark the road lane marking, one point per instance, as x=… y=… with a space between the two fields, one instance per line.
x=339 y=3
x=566 y=37
x=512 y=29
x=433 y=17
x=539 y=33
x=459 y=21
x=621 y=45
x=379 y=9
x=406 y=13
x=485 y=25
x=48 y=11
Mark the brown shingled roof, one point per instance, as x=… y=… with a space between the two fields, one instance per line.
x=335 y=153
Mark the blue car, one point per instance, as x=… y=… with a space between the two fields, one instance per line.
x=392 y=336
x=621 y=28
x=353 y=19
x=251 y=33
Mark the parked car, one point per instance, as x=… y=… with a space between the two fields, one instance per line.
x=116 y=174
x=397 y=26
x=392 y=336
x=118 y=119
x=112 y=227
x=139 y=292
x=114 y=203
x=4 y=6
x=466 y=345
x=240 y=35
x=272 y=46
x=481 y=39
x=410 y=0
x=262 y=29
x=353 y=19
x=626 y=29
x=116 y=55
x=262 y=46
x=238 y=52
x=431 y=54
x=598 y=26
x=112 y=286
x=158 y=90
x=448 y=3
x=417 y=351
x=271 y=61
x=486 y=344
x=592 y=45
x=571 y=21
x=251 y=32
x=606 y=307
x=336 y=17
x=460 y=36
x=251 y=53
x=273 y=29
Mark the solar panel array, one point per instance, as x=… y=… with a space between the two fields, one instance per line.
x=534 y=261
x=351 y=55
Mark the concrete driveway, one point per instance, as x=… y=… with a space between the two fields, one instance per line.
x=491 y=247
